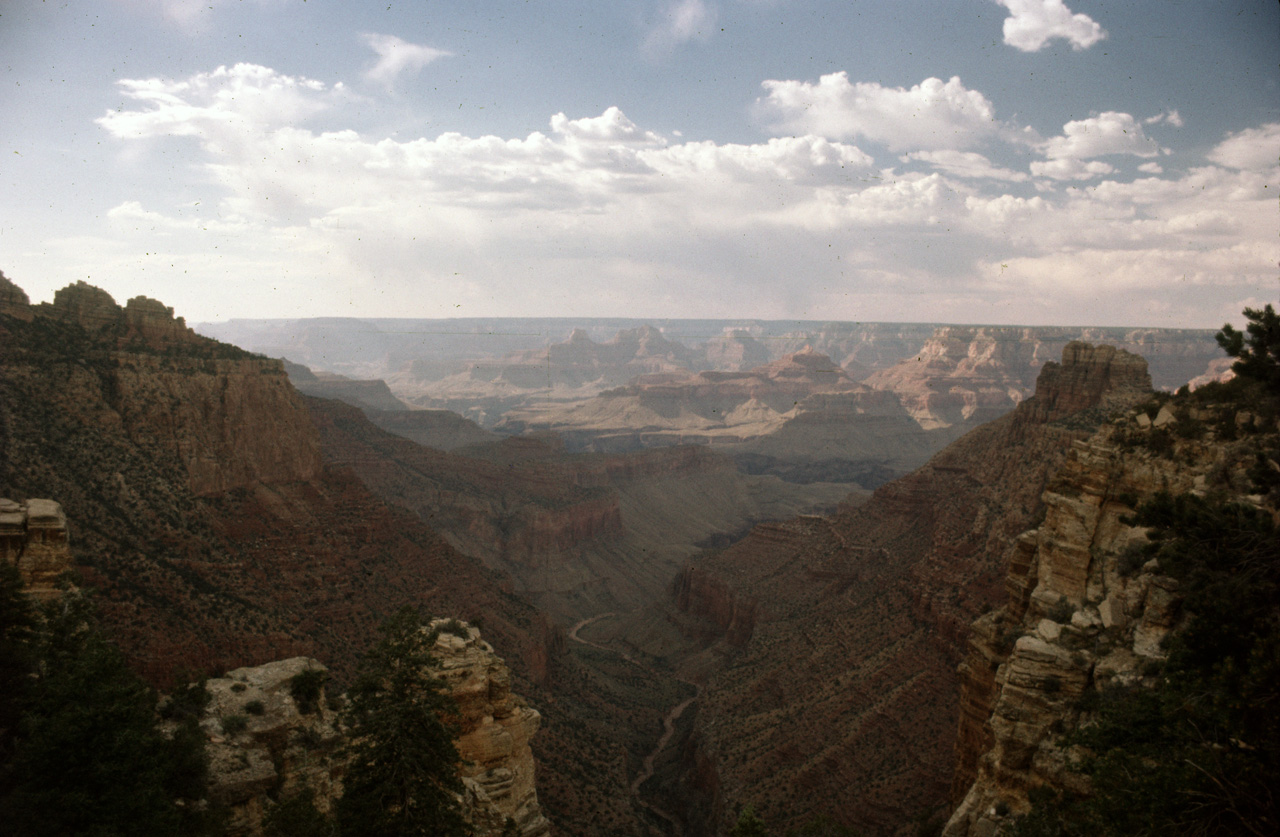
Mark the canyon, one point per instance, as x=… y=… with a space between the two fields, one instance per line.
x=727 y=564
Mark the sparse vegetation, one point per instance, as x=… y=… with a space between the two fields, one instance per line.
x=403 y=777
x=456 y=628
x=305 y=687
x=233 y=725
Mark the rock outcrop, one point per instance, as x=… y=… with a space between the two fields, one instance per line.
x=265 y=745
x=33 y=537
x=1079 y=613
x=269 y=741
x=1089 y=376
x=869 y=610
x=495 y=729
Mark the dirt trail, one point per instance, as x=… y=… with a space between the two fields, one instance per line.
x=668 y=722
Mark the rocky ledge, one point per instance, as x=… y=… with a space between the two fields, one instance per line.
x=1080 y=615
x=33 y=537
x=273 y=734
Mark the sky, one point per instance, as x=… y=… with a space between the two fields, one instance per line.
x=1035 y=162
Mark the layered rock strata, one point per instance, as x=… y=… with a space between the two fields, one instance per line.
x=266 y=746
x=33 y=538
x=869 y=609
x=495 y=729
x=1078 y=615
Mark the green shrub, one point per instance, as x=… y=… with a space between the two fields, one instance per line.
x=305 y=686
x=233 y=725
x=456 y=628
x=1061 y=612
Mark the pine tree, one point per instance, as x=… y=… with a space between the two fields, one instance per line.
x=749 y=825
x=403 y=777
x=86 y=755
x=1257 y=348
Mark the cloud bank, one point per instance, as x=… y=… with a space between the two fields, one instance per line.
x=938 y=214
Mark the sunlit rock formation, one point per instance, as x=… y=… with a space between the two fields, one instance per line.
x=33 y=537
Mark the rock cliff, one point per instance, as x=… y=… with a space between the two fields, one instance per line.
x=1080 y=613
x=33 y=537
x=868 y=609
x=495 y=729
x=268 y=742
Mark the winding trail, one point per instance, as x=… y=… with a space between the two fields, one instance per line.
x=668 y=722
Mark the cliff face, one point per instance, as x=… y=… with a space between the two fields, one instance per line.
x=33 y=537
x=190 y=475
x=198 y=409
x=265 y=746
x=868 y=609
x=1079 y=614
x=496 y=727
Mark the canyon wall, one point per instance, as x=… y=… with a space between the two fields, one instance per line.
x=867 y=610
x=1081 y=614
x=33 y=538
x=211 y=552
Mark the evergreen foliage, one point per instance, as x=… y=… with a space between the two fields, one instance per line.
x=86 y=757
x=1257 y=348
x=749 y=825
x=297 y=816
x=403 y=777
x=1198 y=753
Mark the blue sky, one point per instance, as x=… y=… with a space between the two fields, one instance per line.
x=985 y=161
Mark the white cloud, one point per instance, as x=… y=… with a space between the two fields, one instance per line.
x=931 y=115
x=1151 y=168
x=1031 y=24
x=593 y=212
x=1106 y=133
x=1254 y=148
x=967 y=164
x=242 y=98
x=1170 y=116
x=396 y=56
x=680 y=21
x=1069 y=168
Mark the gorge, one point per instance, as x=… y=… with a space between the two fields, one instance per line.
x=741 y=573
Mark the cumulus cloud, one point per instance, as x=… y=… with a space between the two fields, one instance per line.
x=221 y=103
x=931 y=115
x=1254 y=148
x=596 y=210
x=1070 y=168
x=1106 y=133
x=1031 y=24
x=396 y=56
x=966 y=164
x=680 y=21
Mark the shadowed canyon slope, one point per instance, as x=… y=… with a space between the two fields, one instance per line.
x=202 y=511
x=226 y=519
x=840 y=636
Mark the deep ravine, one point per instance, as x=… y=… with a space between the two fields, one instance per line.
x=668 y=725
